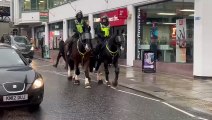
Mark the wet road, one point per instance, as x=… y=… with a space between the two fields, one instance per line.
x=65 y=101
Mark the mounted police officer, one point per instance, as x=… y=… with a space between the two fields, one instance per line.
x=79 y=28
x=103 y=32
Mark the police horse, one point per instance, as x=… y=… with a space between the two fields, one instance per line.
x=109 y=55
x=80 y=53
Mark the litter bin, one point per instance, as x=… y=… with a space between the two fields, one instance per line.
x=46 y=52
x=149 y=62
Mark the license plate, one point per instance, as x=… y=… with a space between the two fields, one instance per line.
x=15 y=98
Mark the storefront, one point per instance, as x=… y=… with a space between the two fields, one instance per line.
x=56 y=32
x=170 y=26
x=118 y=24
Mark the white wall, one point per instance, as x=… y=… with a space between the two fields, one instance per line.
x=30 y=17
x=5 y=28
x=202 y=39
x=5 y=3
x=131 y=36
x=16 y=11
x=90 y=6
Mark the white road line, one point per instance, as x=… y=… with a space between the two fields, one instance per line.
x=189 y=114
x=124 y=66
x=200 y=118
x=171 y=106
x=135 y=94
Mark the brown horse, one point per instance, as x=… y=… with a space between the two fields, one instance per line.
x=80 y=53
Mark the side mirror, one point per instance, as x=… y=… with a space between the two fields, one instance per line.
x=29 y=60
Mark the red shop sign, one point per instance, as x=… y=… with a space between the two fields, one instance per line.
x=122 y=13
x=114 y=19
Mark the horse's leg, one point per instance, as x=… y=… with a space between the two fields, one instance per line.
x=98 y=63
x=87 y=77
x=66 y=61
x=77 y=72
x=115 y=82
x=106 y=73
x=66 y=57
x=98 y=73
x=99 y=78
x=70 y=70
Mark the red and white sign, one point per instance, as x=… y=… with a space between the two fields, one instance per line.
x=114 y=17
x=122 y=13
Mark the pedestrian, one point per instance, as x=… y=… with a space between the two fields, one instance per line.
x=61 y=52
x=2 y=39
x=41 y=46
x=154 y=48
x=32 y=41
x=124 y=44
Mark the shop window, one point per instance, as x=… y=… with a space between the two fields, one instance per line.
x=156 y=24
x=55 y=3
x=34 y=5
x=27 y=5
x=42 y=4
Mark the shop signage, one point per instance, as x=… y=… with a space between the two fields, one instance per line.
x=122 y=13
x=140 y=21
x=148 y=62
x=44 y=16
x=181 y=36
x=173 y=36
x=114 y=18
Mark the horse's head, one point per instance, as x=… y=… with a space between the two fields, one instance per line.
x=86 y=41
x=117 y=41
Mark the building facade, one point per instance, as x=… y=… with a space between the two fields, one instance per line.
x=177 y=27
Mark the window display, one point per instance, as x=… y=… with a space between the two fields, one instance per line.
x=157 y=22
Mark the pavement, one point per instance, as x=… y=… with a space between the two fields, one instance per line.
x=195 y=94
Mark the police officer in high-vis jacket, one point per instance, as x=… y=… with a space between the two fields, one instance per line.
x=78 y=28
x=103 y=32
x=79 y=24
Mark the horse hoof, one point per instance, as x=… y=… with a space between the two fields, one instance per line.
x=115 y=83
x=100 y=82
x=70 y=78
x=76 y=82
x=87 y=86
x=108 y=83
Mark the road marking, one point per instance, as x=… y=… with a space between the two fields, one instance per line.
x=124 y=66
x=191 y=115
x=136 y=94
x=171 y=106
